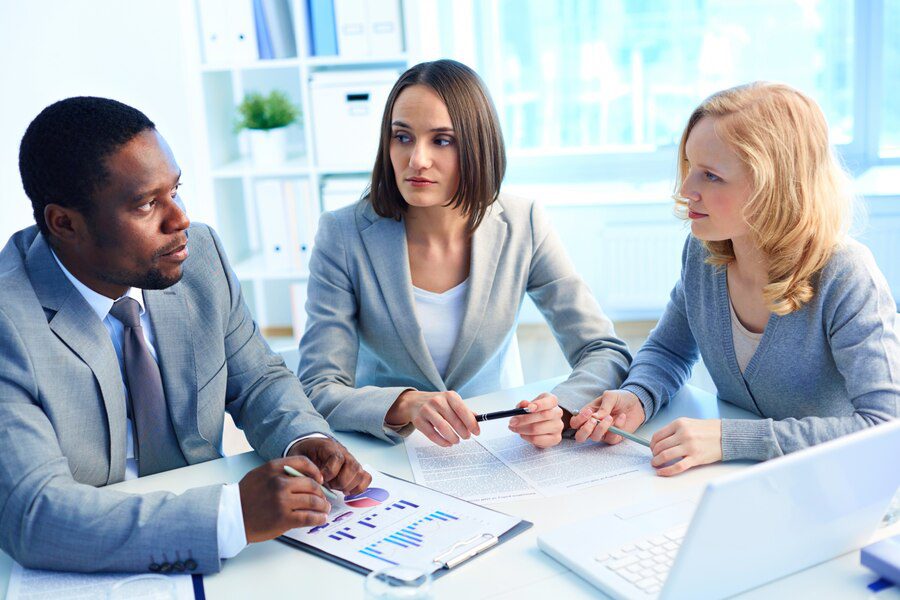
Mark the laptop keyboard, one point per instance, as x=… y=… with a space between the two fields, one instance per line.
x=645 y=563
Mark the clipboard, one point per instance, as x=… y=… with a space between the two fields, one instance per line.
x=458 y=554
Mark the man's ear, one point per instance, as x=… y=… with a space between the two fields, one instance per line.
x=65 y=224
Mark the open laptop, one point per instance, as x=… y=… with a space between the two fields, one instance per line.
x=748 y=528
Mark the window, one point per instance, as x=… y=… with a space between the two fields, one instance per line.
x=625 y=74
x=890 y=126
x=584 y=86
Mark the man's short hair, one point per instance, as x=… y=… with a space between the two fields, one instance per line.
x=62 y=154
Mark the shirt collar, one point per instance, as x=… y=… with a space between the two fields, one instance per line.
x=98 y=302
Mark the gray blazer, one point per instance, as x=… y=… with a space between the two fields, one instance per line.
x=363 y=346
x=62 y=410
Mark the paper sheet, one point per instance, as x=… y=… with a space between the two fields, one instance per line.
x=569 y=465
x=466 y=470
x=498 y=465
x=396 y=522
x=35 y=584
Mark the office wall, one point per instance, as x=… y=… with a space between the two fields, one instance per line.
x=130 y=50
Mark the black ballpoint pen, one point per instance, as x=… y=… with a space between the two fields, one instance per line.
x=501 y=414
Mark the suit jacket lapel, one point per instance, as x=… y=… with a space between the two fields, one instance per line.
x=171 y=318
x=77 y=325
x=487 y=245
x=385 y=242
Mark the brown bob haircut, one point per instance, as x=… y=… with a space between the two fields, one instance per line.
x=482 y=157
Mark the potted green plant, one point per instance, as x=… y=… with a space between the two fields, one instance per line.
x=266 y=119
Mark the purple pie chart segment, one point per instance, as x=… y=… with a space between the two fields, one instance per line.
x=369 y=498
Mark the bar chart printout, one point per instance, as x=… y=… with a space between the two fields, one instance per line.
x=395 y=522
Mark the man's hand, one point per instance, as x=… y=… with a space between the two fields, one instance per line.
x=340 y=471
x=273 y=502
x=615 y=407
x=543 y=425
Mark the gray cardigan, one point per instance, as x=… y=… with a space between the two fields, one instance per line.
x=828 y=369
x=363 y=345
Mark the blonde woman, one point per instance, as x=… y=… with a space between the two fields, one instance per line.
x=792 y=318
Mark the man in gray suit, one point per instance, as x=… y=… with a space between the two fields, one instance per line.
x=124 y=339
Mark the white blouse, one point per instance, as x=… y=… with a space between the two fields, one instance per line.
x=440 y=316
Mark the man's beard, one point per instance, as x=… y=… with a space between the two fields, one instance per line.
x=151 y=280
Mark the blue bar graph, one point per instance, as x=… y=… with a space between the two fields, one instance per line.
x=369 y=552
x=409 y=504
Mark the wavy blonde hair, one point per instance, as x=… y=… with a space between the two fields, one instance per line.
x=800 y=207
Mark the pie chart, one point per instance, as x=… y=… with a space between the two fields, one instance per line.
x=371 y=497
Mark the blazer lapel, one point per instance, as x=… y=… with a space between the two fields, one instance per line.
x=385 y=242
x=77 y=325
x=171 y=318
x=487 y=246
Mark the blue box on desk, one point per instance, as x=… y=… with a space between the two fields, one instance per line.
x=883 y=558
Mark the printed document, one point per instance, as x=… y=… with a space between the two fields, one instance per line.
x=35 y=584
x=466 y=470
x=569 y=465
x=499 y=466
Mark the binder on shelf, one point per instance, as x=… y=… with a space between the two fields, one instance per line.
x=322 y=28
x=384 y=29
x=214 y=27
x=280 y=26
x=242 y=29
x=263 y=40
x=351 y=22
x=274 y=235
x=302 y=217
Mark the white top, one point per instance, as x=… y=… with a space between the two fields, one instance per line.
x=745 y=341
x=440 y=316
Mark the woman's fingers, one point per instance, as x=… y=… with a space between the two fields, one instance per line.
x=668 y=455
x=582 y=416
x=553 y=424
x=543 y=441
x=464 y=415
x=435 y=428
x=602 y=426
x=674 y=469
x=619 y=422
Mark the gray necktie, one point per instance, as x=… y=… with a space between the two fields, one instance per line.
x=156 y=447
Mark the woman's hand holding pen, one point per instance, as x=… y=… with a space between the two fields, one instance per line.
x=543 y=425
x=615 y=407
x=442 y=416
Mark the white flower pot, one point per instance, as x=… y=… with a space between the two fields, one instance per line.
x=268 y=147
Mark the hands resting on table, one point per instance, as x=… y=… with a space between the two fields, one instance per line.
x=687 y=442
x=444 y=418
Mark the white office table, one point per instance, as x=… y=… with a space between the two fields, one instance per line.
x=514 y=570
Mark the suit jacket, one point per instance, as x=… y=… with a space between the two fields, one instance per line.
x=62 y=407
x=363 y=345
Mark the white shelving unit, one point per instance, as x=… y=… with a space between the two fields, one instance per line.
x=232 y=172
